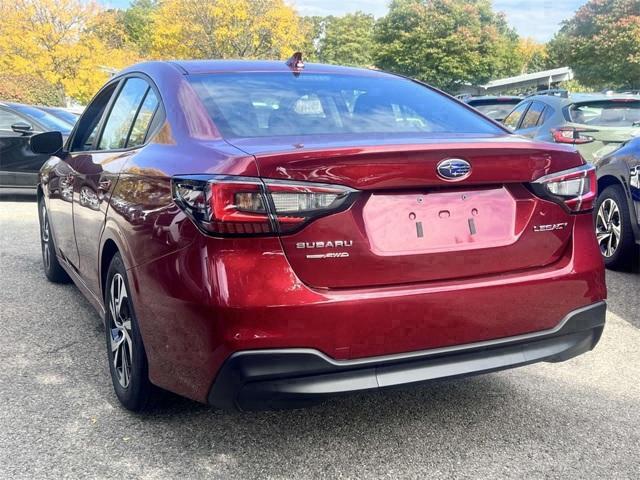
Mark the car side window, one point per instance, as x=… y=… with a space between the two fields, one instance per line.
x=546 y=114
x=123 y=114
x=514 y=117
x=533 y=115
x=89 y=123
x=7 y=119
x=143 y=119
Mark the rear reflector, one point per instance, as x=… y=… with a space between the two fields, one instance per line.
x=246 y=206
x=575 y=189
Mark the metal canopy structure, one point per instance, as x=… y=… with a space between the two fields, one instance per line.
x=545 y=78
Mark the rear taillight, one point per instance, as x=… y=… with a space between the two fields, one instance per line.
x=572 y=135
x=575 y=189
x=240 y=206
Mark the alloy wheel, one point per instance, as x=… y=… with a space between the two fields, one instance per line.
x=120 y=328
x=46 y=237
x=608 y=227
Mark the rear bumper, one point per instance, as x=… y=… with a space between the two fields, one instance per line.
x=281 y=378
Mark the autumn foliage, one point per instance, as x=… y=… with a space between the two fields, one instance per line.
x=602 y=43
x=224 y=29
x=55 y=50
x=55 y=41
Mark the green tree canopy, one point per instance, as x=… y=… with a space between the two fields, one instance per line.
x=138 y=23
x=601 y=43
x=347 y=40
x=446 y=42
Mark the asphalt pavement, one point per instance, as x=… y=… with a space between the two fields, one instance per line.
x=60 y=419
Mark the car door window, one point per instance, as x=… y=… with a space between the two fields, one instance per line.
x=7 y=119
x=533 y=115
x=143 y=119
x=89 y=123
x=514 y=117
x=123 y=113
x=546 y=114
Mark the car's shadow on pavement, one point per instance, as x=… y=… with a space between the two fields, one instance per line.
x=167 y=404
x=419 y=424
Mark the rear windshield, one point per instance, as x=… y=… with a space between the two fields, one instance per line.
x=48 y=121
x=495 y=109
x=610 y=113
x=272 y=104
x=65 y=115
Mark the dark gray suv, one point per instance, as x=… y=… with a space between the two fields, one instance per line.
x=596 y=124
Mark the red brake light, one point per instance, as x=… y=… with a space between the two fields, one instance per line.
x=572 y=135
x=232 y=206
x=575 y=189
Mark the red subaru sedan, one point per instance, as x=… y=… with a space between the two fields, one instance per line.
x=266 y=234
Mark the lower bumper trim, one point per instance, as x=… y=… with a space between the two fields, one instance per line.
x=285 y=378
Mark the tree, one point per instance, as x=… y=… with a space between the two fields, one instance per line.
x=60 y=43
x=601 y=43
x=29 y=89
x=532 y=55
x=225 y=29
x=347 y=40
x=138 y=23
x=446 y=42
x=313 y=30
x=110 y=29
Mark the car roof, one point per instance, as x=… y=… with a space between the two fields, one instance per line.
x=581 y=97
x=15 y=104
x=492 y=97
x=197 y=67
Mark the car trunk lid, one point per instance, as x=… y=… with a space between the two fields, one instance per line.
x=409 y=224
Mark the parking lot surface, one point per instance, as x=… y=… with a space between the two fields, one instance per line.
x=60 y=419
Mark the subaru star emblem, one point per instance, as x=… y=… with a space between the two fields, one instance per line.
x=454 y=169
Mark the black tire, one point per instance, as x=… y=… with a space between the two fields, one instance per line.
x=132 y=385
x=51 y=266
x=614 y=232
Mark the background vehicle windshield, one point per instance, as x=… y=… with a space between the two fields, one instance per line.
x=48 y=121
x=495 y=110
x=614 y=113
x=65 y=115
x=271 y=104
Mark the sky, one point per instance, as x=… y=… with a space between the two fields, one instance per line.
x=538 y=19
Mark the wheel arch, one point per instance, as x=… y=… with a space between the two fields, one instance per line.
x=112 y=242
x=109 y=250
x=607 y=181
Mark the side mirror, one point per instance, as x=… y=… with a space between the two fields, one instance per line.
x=22 y=127
x=47 y=143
